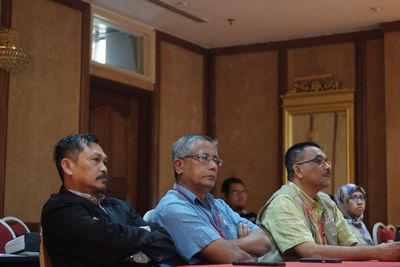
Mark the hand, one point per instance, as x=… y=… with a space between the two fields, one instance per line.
x=243 y=230
x=254 y=258
x=389 y=251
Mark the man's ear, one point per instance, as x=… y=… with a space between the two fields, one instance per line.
x=179 y=166
x=67 y=166
x=297 y=171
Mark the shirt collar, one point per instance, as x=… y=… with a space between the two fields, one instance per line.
x=310 y=202
x=95 y=200
x=190 y=195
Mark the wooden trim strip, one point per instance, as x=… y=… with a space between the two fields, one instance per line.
x=282 y=89
x=84 y=105
x=75 y=4
x=361 y=171
x=155 y=147
x=6 y=13
x=391 y=26
x=181 y=43
x=211 y=95
x=298 y=43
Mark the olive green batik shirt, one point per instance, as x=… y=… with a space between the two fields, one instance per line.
x=286 y=220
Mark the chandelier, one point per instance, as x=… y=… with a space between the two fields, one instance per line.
x=12 y=57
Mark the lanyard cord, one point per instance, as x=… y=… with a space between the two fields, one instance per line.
x=216 y=215
x=318 y=222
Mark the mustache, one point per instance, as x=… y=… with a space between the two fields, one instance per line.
x=103 y=176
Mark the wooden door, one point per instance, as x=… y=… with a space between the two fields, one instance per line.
x=118 y=119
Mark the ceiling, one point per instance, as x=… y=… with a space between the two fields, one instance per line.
x=256 y=21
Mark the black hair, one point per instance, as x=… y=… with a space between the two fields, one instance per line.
x=226 y=185
x=68 y=146
x=294 y=154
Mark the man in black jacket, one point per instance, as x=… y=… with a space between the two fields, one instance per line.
x=83 y=227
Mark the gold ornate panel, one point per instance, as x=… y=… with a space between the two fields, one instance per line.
x=320 y=109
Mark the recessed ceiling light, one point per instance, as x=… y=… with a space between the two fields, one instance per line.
x=182 y=4
x=377 y=8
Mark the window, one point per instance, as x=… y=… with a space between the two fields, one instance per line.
x=122 y=44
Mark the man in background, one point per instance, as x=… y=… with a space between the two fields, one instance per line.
x=234 y=193
x=83 y=227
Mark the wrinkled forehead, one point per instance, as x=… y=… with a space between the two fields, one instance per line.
x=203 y=146
x=94 y=148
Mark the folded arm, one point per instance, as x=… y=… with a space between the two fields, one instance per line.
x=242 y=249
x=224 y=251
x=256 y=243
x=383 y=252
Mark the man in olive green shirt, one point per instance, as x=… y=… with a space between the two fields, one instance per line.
x=304 y=222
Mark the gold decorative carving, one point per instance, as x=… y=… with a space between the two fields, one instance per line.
x=315 y=83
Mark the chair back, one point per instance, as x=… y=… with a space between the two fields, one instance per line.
x=6 y=234
x=397 y=236
x=383 y=233
x=44 y=258
x=147 y=215
x=392 y=231
x=18 y=226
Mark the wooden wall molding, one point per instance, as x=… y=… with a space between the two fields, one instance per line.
x=298 y=43
x=155 y=116
x=391 y=26
x=361 y=114
x=162 y=36
x=6 y=14
x=282 y=87
x=211 y=95
x=360 y=140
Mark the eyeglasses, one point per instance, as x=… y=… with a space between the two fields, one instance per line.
x=317 y=160
x=237 y=192
x=205 y=158
x=357 y=197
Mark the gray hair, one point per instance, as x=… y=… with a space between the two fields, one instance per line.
x=186 y=145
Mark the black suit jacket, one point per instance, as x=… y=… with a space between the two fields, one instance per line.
x=79 y=233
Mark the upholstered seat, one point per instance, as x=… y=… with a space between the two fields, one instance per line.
x=6 y=234
x=383 y=233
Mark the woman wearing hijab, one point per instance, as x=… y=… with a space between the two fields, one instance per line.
x=351 y=200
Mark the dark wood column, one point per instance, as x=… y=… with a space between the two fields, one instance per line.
x=6 y=8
